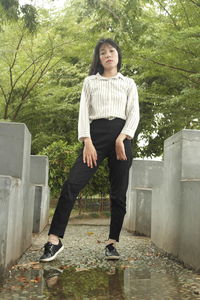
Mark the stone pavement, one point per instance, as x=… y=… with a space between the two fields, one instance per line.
x=82 y=273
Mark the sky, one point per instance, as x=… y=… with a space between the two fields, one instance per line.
x=48 y=4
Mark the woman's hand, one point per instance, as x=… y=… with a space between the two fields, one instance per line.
x=119 y=147
x=89 y=153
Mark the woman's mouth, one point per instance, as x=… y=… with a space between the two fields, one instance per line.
x=109 y=60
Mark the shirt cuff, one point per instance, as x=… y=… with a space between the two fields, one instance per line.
x=82 y=136
x=129 y=133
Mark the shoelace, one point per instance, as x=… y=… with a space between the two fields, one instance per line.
x=110 y=247
x=47 y=246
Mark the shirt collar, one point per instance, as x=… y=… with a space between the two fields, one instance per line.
x=99 y=76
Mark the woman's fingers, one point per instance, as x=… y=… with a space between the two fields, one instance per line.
x=90 y=159
x=90 y=155
x=120 y=151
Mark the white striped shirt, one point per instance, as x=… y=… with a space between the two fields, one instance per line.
x=108 y=97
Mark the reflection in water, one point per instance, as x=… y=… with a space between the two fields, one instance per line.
x=85 y=284
x=117 y=284
x=146 y=285
x=51 y=276
x=97 y=284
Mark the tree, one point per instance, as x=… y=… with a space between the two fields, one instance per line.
x=24 y=65
x=160 y=41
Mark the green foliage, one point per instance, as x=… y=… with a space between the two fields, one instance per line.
x=61 y=158
x=30 y=17
x=9 y=8
x=12 y=11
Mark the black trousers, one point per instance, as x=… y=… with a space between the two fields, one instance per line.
x=103 y=134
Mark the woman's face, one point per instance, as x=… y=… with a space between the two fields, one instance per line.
x=108 y=57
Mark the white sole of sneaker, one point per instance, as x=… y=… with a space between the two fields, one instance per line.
x=112 y=257
x=53 y=257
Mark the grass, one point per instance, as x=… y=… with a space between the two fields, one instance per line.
x=84 y=214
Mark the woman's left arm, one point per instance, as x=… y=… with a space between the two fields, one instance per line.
x=132 y=111
x=132 y=120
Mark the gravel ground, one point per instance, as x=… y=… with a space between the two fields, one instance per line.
x=84 y=245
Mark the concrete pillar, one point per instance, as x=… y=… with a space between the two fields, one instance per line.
x=15 y=200
x=10 y=220
x=144 y=175
x=175 y=221
x=39 y=172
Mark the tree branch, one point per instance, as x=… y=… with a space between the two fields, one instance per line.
x=3 y=92
x=25 y=95
x=29 y=89
x=195 y=3
x=35 y=61
x=12 y=66
x=170 y=67
x=6 y=102
x=111 y=11
x=185 y=12
x=163 y=7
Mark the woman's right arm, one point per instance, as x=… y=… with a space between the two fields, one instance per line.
x=83 y=118
x=89 y=151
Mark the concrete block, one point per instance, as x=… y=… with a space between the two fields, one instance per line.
x=41 y=208
x=144 y=176
x=15 y=149
x=39 y=171
x=189 y=158
x=143 y=212
x=14 y=146
x=172 y=203
x=189 y=250
x=146 y=173
x=11 y=220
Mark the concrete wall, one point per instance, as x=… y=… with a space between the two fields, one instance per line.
x=39 y=172
x=144 y=175
x=11 y=216
x=175 y=221
x=16 y=201
x=189 y=242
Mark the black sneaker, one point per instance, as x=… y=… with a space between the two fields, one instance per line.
x=111 y=252
x=49 y=273
x=51 y=251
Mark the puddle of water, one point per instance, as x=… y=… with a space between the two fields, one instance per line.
x=95 y=284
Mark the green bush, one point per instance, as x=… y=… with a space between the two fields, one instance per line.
x=61 y=158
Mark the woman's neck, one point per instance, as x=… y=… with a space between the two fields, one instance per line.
x=110 y=73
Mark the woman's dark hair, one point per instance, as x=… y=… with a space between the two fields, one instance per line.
x=96 y=65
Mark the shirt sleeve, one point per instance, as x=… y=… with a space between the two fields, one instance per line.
x=132 y=111
x=83 y=120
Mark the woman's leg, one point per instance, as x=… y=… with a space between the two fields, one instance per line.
x=119 y=176
x=79 y=176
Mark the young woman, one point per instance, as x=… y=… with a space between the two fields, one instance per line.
x=108 y=119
